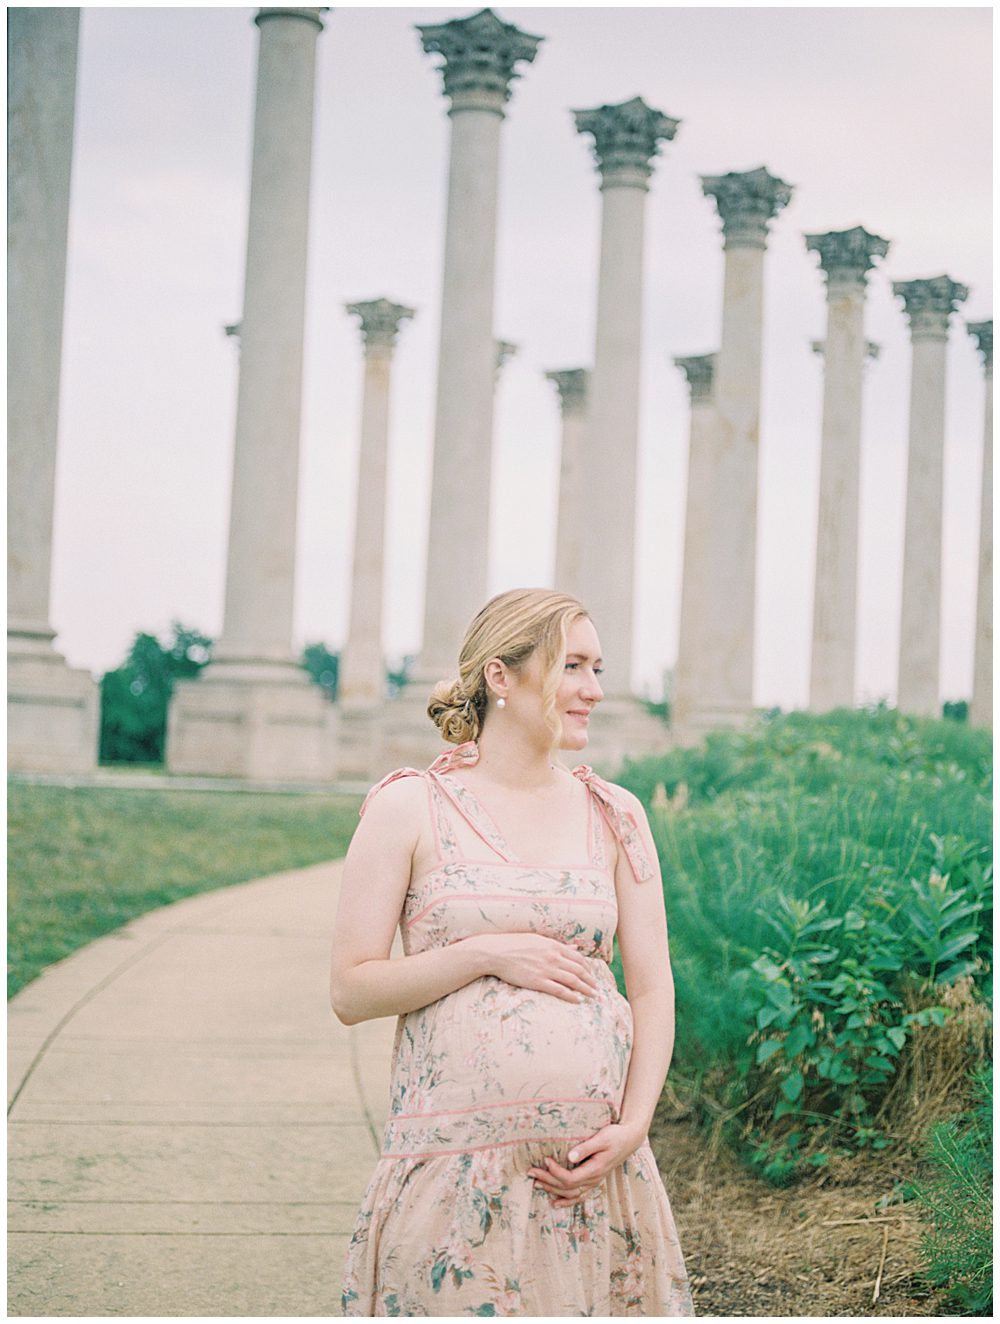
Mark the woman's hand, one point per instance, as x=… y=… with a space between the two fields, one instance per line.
x=529 y=960
x=592 y=1158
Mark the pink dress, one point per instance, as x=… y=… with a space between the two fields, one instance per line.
x=490 y=1079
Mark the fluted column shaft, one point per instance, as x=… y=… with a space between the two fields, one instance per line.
x=41 y=96
x=701 y=515
x=572 y=386
x=846 y=256
x=928 y=304
x=479 y=58
x=362 y=668
x=626 y=139
x=260 y=577
x=746 y=203
x=981 y=707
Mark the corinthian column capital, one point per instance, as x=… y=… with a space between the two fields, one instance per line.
x=847 y=256
x=571 y=383
x=982 y=333
x=480 y=54
x=699 y=372
x=626 y=139
x=929 y=304
x=380 y=321
x=747 y=202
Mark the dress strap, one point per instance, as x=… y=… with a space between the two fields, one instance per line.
x=444 y=835
x=622 y=821
x=439 y=774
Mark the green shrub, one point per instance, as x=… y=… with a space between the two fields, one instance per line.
x=956 y=1199
x=824 y=877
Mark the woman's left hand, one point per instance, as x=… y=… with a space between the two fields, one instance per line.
x=592 y=1160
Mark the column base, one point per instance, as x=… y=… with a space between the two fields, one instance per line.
x=409 y=737
x=360 y=735
x=690 y=728
x=262 y=722
x=53 y=709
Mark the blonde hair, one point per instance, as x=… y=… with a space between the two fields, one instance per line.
x=511 y=627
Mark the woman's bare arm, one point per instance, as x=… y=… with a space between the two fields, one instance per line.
x=365 y=982
x=642 y=940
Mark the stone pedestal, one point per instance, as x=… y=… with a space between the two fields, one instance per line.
x=52 y=709
x=480 y=56
x=626 y=141
x=572 y=387
x=981 y=707
x=253 y=711
x=698 y=571
x=928 y=304
x=846 y=256
x=746 y=203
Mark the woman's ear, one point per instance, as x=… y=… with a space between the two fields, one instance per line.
x=495 y=675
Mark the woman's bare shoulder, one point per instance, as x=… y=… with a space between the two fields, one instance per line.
x=401 y=796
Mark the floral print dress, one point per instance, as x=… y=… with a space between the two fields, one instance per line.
x=490 y=1079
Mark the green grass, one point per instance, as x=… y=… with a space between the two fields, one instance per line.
x=84 y=861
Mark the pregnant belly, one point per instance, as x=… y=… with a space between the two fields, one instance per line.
x=491 y=1043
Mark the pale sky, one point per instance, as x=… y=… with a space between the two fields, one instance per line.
x=877 y=116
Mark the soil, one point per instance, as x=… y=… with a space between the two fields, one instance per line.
x=811 y=1249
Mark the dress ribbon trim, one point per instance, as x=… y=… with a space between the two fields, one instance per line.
x=622 y=821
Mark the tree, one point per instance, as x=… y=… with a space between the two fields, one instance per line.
x=324 y=667
x=135 y=696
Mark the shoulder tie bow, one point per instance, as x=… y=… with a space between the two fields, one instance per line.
x=622 y=821
x=461 y=756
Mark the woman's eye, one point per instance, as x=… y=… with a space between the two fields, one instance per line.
x=571 y=665
x=598 y=671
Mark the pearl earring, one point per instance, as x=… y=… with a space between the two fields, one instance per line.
x=501 y=703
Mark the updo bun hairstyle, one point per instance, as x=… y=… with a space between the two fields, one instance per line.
x=510 y=627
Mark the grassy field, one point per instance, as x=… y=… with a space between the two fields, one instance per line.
x=84 y=861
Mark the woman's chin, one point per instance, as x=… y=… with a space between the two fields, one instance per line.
x=574 y=737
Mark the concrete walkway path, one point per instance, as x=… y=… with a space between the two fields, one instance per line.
x=191 y=1129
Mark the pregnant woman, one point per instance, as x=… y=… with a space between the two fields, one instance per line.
x=516 y=1177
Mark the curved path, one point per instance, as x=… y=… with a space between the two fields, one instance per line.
x=191 y=1129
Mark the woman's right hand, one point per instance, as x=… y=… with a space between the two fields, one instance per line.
x=530 y=960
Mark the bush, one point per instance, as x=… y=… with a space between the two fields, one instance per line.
x=956 y=1199
x=828 y=880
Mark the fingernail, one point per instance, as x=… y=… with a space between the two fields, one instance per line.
x=573 y=1156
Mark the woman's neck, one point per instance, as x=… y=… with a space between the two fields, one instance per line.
x=512 y=760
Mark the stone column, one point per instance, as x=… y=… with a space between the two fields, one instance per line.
x=747 y=202
x=846 y=256
x=928 y=304
x=480 y=55
x=253 y=712
x=572 y=387
x=52 y=710
x=626 y=140
x=981 y=707
x=701 y=515
x=362 y=665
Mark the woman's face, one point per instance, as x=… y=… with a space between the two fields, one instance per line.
x=579 y=689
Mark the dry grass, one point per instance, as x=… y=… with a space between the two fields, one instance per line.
x=809 y=1250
